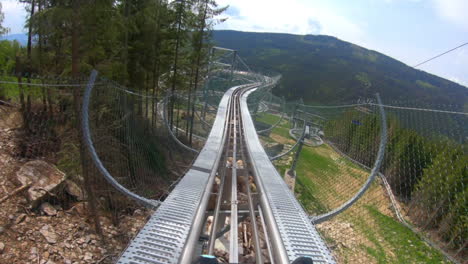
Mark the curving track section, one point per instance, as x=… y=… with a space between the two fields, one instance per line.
x=231 y=183
x=285 y=216
x=163 y=238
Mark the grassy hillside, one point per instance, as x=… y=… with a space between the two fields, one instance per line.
x=365 y=233
x=325 y=69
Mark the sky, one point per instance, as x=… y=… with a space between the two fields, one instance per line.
x=408 y=30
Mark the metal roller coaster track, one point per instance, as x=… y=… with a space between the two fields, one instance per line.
x=232 y=183
x=231 y=200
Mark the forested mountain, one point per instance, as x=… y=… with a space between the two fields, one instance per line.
x=322 y=69
x=21 y=38
x=136 y=43
x=132 y=42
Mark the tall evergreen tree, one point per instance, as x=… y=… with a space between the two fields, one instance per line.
x=181 y=9
x=204 y=22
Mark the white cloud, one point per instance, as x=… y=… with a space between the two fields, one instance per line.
x=296 y=17
x=454 y=79
x=15 y=15
x=461 y=57
x=455 y=11
x=459 y=81
x=393 y=1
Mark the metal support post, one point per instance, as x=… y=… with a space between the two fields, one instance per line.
x=298 y=152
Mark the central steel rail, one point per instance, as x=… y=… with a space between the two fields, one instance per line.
x=231 y=185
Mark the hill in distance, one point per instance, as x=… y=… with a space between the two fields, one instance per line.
x=21 y=38
x=323 y=69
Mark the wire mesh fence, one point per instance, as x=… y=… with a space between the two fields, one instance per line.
x=414 y=211
x=53 y=192
x=45 y=194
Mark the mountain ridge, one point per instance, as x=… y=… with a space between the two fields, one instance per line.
x=21 y=38
x=322 y=68
x=354 y=65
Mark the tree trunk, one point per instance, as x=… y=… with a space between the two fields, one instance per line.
x=29 y=47
x=197 y=69
x=19 y=74
x=189 y=102
x=177 y=117
x=147 y=83
x=126 y=10
x=155 y=91
x=157 y=64
x=43 y=90
x=76 y=103
x=176 y=59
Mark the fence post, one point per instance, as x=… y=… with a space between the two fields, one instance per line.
x=292 y=170
x=84 y=168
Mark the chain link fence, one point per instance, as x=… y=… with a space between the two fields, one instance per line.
x=415 y=209
x=51 y=189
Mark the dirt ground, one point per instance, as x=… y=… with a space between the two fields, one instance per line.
x=346 y=240
x=282 y=140
x=29 y=235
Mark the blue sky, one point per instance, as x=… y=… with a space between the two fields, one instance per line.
x=408 y=30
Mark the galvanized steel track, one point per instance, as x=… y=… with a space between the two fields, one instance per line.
x=285 y=218
x=232 y=187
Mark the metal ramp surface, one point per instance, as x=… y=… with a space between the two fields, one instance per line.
x=163 y=238
x=299 y=236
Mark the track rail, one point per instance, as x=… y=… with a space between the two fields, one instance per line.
x=232 y=204
x=288 y=223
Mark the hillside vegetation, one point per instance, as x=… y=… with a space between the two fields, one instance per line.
x=322 y=69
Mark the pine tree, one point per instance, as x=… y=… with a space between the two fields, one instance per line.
x=207 y=11
x=181 y=12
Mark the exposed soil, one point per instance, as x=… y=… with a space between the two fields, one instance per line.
x=345 y=241
x=290 y=180
x=282 y=140
x=29 y=235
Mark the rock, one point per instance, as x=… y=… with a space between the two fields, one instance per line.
x=48 y=209
x=83 y=240
x=22 y=200
x=88 y=256
x=33 y=253
x=139 y=212
x=79 y=209
x=12 y=120
x=33 y=250
x=49 y=234
x=247 y=259
x=43 y=177
x=74 y=190
x=20 y=219
x=2 y=247
x=240 y=164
